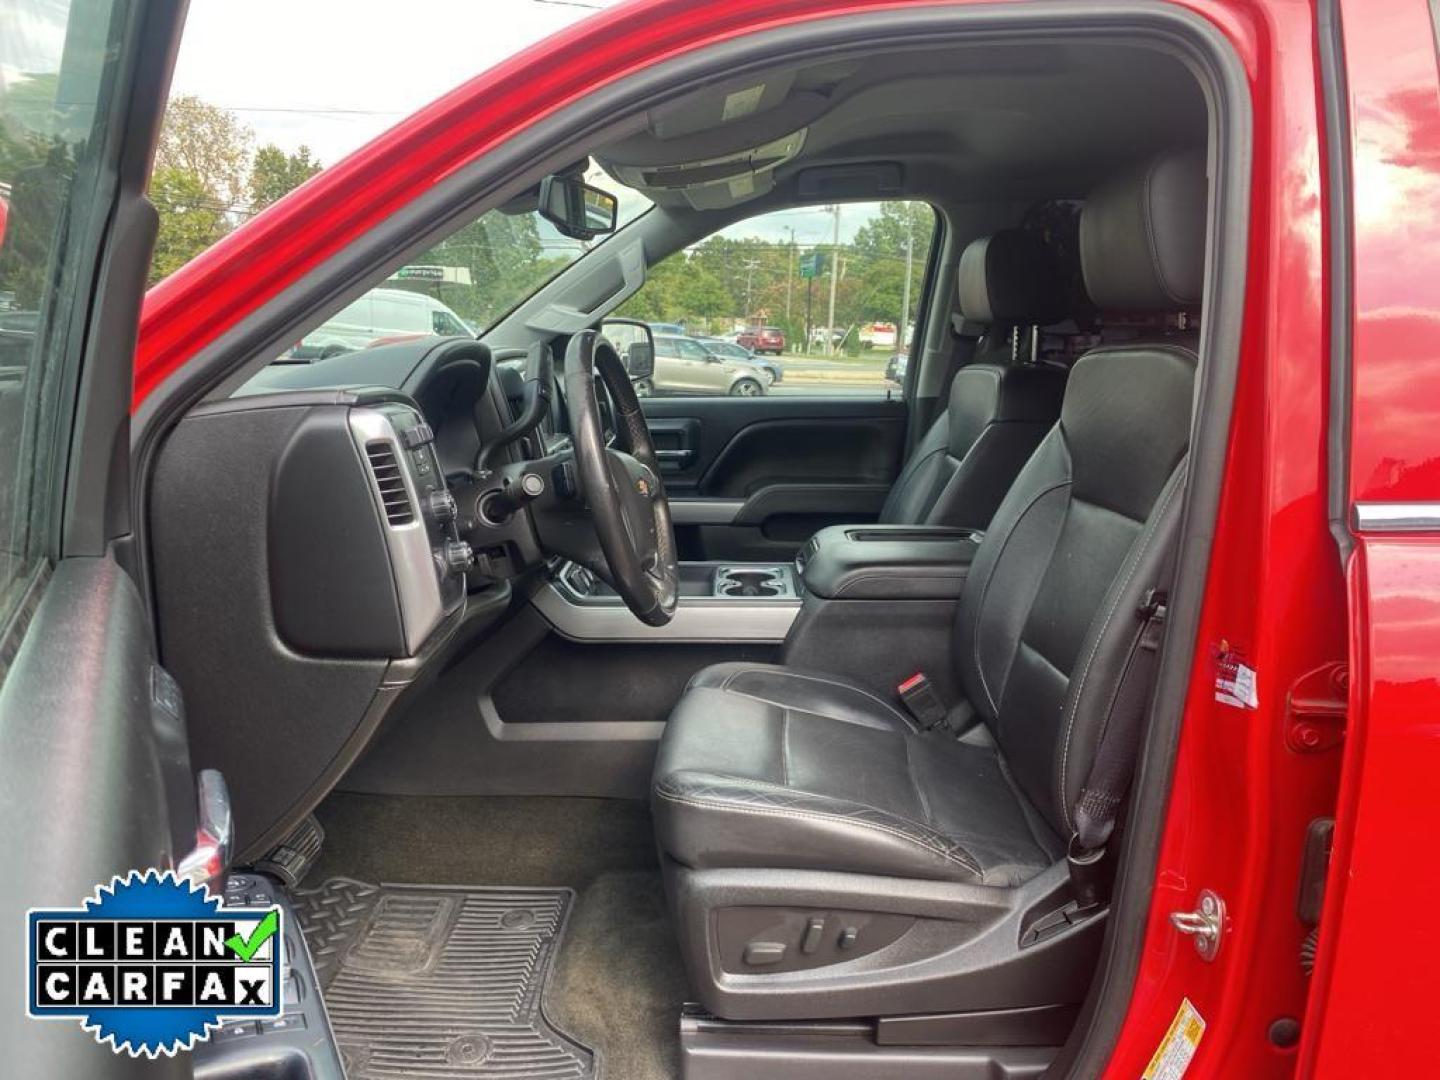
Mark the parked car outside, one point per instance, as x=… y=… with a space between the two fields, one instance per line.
x=731 y=350
x=895 y=367
x=762 y=339
x=673 y=329
x=684 y=365
x=380 y=313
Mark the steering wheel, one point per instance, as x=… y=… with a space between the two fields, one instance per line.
x=622 y=487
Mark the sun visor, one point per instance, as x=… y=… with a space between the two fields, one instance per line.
x=716 y=181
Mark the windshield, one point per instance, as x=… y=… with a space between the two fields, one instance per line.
x=467 y=282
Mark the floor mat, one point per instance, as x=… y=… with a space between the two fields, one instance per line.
x=441 y=982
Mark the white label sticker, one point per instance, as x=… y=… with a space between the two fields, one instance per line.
x=1235 y=685
x=1178 y=1048
x=742 y=102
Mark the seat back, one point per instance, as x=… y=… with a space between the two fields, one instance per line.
x=997 y=412
x=1049 y=611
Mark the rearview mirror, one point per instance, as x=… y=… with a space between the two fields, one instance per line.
x=635 y=344
x=576 y=209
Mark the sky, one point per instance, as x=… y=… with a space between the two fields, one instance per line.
x=333 y=74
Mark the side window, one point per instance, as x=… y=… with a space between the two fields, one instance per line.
x=442 y=322
x=818 y=300
x=56 y=68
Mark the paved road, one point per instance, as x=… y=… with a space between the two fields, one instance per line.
x=821 y=389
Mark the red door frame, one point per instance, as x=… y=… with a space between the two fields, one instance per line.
x=1241 y=799
x=1375 y=979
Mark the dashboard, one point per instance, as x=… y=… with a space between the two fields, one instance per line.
x=342 y=555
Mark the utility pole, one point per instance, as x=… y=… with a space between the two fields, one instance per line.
x=790 y=273
x=834 y=279
x=749 y=304
x=905 y=295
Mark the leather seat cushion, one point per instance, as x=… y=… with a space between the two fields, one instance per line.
x=767 y=766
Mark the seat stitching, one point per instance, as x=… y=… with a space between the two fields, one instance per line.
x=919 y=791
x=875 y=726
x=785 y=745
x=958 y=856
x=985 y=589
x=769 y=785
x=791 y=674
x=1136 y=554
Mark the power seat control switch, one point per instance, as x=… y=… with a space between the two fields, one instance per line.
x=764 y=953
x=814 y=931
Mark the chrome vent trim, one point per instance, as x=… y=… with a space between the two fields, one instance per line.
x=386 y=469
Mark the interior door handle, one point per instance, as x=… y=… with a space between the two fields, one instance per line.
x=214 y=832
x=674 y=460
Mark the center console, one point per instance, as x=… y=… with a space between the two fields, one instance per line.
x=880 y=602
x=719 y=602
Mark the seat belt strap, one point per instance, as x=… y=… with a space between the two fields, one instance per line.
x=1113 y=767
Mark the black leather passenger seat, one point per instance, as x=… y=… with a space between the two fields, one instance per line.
x=998 y=408
x=789 y=791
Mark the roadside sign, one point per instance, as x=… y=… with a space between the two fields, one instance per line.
x=812 y=265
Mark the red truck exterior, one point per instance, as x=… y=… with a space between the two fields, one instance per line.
x=1247 y=782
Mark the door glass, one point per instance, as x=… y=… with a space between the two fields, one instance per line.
x=817 y=300
x=57 y=63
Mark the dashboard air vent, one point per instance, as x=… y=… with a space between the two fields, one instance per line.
x=388 y=478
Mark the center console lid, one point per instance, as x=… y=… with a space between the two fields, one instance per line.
x=887 y=562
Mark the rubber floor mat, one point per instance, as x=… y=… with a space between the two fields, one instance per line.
x=439 y=982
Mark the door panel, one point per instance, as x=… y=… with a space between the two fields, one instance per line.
x=94 y=781
x=753 y=478
x=95 y=777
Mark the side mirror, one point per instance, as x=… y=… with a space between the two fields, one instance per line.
x=576 y=209
x=635 y=344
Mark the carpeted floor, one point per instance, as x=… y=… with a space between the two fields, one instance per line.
x=619 y=984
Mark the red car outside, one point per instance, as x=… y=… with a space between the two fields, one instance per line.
x=762 y=339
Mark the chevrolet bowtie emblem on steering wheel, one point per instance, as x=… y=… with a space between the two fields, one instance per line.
x=643 y=486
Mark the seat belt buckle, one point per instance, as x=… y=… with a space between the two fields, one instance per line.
x=921 y=701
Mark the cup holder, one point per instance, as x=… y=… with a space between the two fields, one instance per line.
x=759 y=583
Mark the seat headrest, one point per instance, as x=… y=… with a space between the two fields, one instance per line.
x=1011 y=277
x=1142 y=235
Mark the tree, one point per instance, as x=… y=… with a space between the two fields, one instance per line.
x=209 y=143
x=506 y=260
x=275 y=174
x=190 y=221
x=879 y=257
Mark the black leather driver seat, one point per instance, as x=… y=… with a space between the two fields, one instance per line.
x=785 y=791
x=997 y=411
